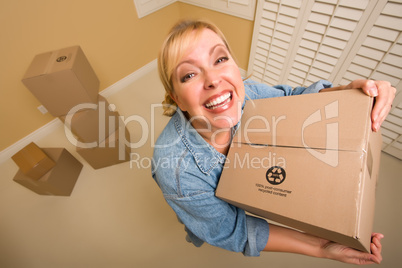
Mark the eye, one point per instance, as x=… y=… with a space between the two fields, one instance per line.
x=187 y=77
x=222 y=59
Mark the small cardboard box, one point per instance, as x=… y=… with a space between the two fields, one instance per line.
x=62 y=79
x=309 y=162
x=113 y=150
x=60 y=180
x=93 y=124
x=33 y=161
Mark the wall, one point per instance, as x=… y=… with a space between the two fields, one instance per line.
x=115 y=41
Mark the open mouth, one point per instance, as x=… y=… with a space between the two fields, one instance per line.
x=219 y=101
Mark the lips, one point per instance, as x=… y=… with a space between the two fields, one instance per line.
x=218 y=102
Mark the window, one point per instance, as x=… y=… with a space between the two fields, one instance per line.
x=240 y=8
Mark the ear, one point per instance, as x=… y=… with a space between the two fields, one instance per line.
x=177 y=101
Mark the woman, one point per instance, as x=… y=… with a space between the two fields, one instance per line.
x=204 y=96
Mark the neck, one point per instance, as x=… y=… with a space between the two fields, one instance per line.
x=219 y=139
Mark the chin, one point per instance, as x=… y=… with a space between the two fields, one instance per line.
x=226 y=122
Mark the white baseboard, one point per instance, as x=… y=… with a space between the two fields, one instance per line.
x=56 y=123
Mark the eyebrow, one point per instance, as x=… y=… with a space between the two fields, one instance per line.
x=214 y=47
x=190 y=61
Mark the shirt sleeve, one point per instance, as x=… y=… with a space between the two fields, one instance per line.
x=255 y=90
x=209 y=218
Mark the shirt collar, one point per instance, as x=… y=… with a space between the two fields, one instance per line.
x=205 y=155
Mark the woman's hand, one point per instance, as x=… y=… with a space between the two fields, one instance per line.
x=283 y=239
x=384 y=93
x=345 y=254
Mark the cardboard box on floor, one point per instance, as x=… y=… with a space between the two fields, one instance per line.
x=33 y=161
x=60 y=180
x=309 y=162
x=62 y=79
x=93 y=124
x=113 y=150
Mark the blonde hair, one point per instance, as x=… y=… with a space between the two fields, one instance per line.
x=173 y=48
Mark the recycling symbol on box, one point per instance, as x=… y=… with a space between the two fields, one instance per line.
x=62 y=58
x=275 y=175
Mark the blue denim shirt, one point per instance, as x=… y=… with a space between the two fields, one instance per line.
x=187 y=170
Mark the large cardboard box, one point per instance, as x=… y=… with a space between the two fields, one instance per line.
x=62 y=79
x=33 y=161
x=309 y=162
x=92 y=124
x=113 y=150
x=60 y=180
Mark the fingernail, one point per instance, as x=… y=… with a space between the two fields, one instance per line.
x=373 y=92
x=372 y=88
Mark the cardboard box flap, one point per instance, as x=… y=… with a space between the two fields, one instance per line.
x=33 y=161
x=266 y=122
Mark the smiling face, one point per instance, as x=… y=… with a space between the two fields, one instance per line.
x=207 y=84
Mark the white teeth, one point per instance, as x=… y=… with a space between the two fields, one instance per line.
x=218 y=101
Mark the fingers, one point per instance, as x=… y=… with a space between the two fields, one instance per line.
x=378 y=235
x=386 y=95
x=375 y=252
x=368 y=86
x=376 y=248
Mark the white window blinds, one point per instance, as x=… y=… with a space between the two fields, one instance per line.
x=298 y=42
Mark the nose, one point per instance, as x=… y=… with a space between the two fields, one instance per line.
x=212 y=79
